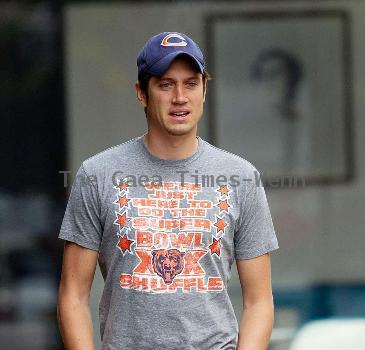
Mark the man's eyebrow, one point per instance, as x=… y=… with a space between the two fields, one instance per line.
x=194 y=77
x=164 y=79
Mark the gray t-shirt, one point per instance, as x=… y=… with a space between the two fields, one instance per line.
x=167 y=232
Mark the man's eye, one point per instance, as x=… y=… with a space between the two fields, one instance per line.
x=192 y=83
x=164 y=85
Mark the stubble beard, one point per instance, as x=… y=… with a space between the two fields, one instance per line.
x=178 y=129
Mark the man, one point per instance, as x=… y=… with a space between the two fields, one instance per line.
x=165 y=215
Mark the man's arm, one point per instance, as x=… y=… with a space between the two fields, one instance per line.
x=73 y=309
x=258 y=309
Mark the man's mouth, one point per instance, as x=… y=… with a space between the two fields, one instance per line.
x=179 y=115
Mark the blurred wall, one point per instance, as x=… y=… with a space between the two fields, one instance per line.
x=320 y=229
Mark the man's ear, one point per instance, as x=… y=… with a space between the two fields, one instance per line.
x=141 y=96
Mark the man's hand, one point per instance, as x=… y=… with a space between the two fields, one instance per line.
x=73 y=309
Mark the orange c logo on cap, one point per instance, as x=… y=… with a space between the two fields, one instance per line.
x=165 y=40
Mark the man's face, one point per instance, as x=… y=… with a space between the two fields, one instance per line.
x=175 y=100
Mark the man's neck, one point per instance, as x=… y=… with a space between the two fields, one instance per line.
x=171 y=147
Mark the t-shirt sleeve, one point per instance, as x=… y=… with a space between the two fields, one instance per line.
x=255 y=234
x=81 y=222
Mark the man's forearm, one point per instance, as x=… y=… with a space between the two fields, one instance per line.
x=75 y=323
x=256 y=326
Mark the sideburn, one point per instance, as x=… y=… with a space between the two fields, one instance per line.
x=145 y=108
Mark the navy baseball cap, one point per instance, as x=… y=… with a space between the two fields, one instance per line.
x=160 y=50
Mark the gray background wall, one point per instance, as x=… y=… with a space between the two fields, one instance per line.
x=320 y=229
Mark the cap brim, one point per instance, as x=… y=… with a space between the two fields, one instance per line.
x=160 y=67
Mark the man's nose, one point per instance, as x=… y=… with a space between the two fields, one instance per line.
x=179 y=96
